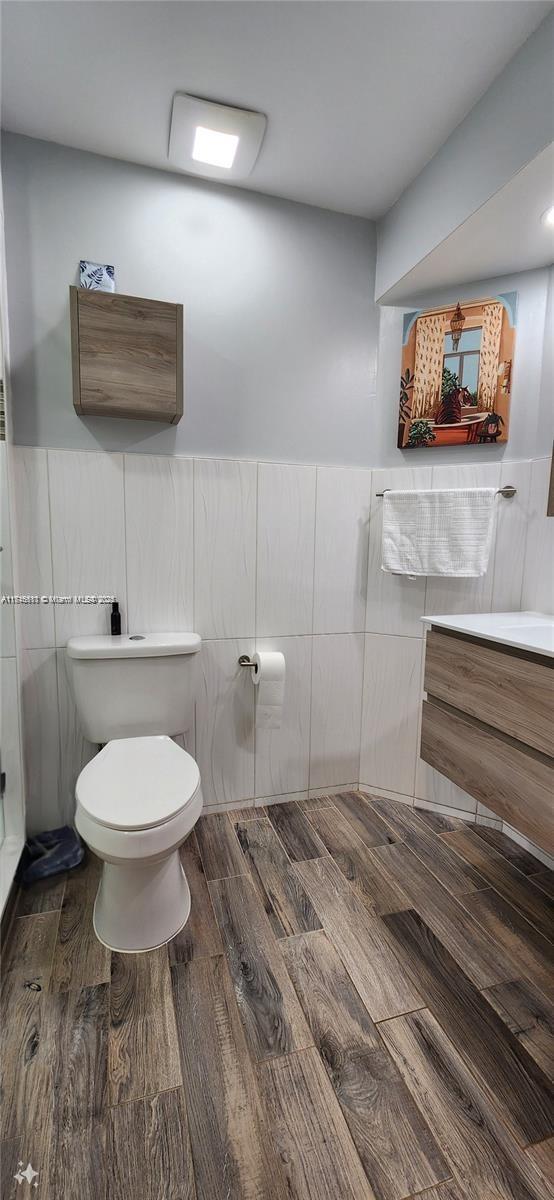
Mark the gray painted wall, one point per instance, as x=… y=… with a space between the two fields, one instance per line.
x=546 y=406
x=280 y=325
x=505 y=130
x=287 y=357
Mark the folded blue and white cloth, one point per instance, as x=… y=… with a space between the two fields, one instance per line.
x=50 y=853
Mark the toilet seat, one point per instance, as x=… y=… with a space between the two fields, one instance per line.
x=137 y=802
x=137 y=784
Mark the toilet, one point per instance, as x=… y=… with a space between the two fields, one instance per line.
x=140 y=796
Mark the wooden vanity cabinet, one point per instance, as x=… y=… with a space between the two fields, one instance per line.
x=127 y=356
x=488 y=725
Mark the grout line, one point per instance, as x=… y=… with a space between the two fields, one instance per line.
x=490 y=887
x=541 y=1142
x=256 y=533
x=222 y=878
x=419 y=713
x=54 y=948
x=193 y=506
x=260 y=1063
x=43 y=912
x=177 y=1087
x=196 y=671
x=257 y=815
x=126 y=621
x=408 y=1013
x=436 y=1188
x=288 y=937
x=269 y=637
x=280 y=462
x=312 y=643
x=365 y=633
x=292 y=861
x=256 y=521
x=58 y=665
x=50 y=539
x=311 y=705
x=362 y=704
x=314 y=548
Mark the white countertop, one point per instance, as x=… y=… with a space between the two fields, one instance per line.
x=524 y=630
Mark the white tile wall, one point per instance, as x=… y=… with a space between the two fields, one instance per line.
x=30 y=480
x=485 y=816
x=341 y=549
x=255 y=554
x=10 y=741
x=538 y=583
x=390 y=713
x=224 y=548
x=7 y=642
x=224 y=723
x=88 y=537
x=437 y=790
x=511 y=533
x=337 y=673
x=159 y=546
x=74 y=749
x=40 y=719
x=286 y=533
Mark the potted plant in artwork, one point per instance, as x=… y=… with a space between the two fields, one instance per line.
x=449 y=382
x=421 y=434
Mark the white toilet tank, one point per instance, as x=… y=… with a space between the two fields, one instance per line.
x=133 y=685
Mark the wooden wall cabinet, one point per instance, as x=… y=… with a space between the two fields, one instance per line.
x=488 y=725
x=127 y=356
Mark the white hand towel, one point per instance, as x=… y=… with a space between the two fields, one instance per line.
x=438 y=532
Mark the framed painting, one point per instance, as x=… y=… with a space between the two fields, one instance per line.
x=456 y=373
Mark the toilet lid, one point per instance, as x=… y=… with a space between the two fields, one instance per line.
x=136 y=783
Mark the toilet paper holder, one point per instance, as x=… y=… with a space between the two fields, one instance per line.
x=246 y=661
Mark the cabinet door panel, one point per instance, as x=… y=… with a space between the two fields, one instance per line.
x=516 y=783
x=127 y=356
x=513 y=693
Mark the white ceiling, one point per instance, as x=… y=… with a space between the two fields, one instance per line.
x=504 y=236
x=359 y=96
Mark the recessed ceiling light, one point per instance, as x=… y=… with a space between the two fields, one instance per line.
x=216 y=148
x=548 y=216
x=214 y=140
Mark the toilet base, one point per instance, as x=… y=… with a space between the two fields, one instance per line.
x=143 y=906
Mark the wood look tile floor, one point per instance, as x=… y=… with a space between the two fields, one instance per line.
x=360 y=1006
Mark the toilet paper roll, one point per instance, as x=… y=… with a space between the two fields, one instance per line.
x=268 y=674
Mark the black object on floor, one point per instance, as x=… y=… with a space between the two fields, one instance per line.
x=50 y=853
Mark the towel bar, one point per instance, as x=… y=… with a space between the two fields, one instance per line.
x=507 y=491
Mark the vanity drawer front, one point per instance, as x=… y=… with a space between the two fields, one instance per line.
x=510 y=691
x=516 y=783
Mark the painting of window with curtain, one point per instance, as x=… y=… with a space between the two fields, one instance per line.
x=456 y=373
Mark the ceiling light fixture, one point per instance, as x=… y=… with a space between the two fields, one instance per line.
x=214 y=140
x=211 y=146
x=548 y=216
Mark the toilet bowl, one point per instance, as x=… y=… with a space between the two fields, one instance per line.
x=137 y=801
